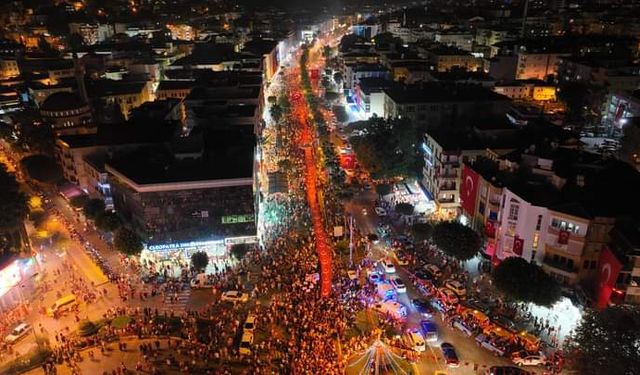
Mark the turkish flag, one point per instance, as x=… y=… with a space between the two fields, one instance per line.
x=608 y=270
x=518 y=245
x=490 y=229
x=348 y=161
x=469 y=190
x=563 y=237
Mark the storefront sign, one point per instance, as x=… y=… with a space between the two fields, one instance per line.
x=184 y=245
x=236 y=219
x=240 y=240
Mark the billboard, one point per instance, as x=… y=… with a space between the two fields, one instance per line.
x=608 y=269
x=469 y=190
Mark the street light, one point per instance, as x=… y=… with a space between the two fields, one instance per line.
x=22 y=300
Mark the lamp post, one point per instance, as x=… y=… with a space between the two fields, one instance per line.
x=22 y=300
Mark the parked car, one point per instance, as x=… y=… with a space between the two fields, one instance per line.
x=529 y=359
x=235 y=296
x=423 y=306
x=433 y=270
x=398 y=285
x=458 y=288
x=506 y=370
x=402 y=259
x=389 y=267
x=486 y=343
x=393 y=308
x=375 y=277
x=429 y=330
x=381 y=211
x=450 y=355
x=415 y=340
x=17 y=333
x=352 y=274
x=448 y=296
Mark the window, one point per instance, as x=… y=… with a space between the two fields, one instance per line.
x=513 y=212
x=536 y=239
x=481 y=208
x=539 y=223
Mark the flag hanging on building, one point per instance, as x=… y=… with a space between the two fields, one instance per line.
x=563 y=237
x=518 y=245
x=468 y=190
x=490 y=228
x=608 y=269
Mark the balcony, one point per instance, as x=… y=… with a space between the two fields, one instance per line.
x=448 y=187
x=559 y=265
x=448 y=175
x=446 y=200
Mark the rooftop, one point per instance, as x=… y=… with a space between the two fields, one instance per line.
x=62 y=101
x=122 y=134
x=229 y=155
x=106 y=87
x=431 y=92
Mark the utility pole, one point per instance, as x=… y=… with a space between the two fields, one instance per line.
x=350 y=241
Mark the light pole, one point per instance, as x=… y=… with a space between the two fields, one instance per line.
x=21 y=285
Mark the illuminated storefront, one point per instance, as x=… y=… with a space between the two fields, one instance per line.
x=178 y=254
x=15 y=273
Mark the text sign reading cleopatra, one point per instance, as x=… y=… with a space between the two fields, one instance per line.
x=184 y=245
x=235 y=219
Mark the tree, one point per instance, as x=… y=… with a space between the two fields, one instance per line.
x=285 y=165
x=13 y=203
x=107 y=221
x=526 y=282
x=456 y=240
x=383 y=189
x=127 y=241
x=342 y=247
x=331 y=96
x=93 y=208
x=199 y=261
x=606 y=342
x=79 y=201
x=421 y=231
x=630 y=142
x=238 y=251
x=276 y=113
x=327 y=51
x=337 y=78
x=42 y=168
x=388 y=149
x=76 y=41
x=87 y=328
x=404 y=208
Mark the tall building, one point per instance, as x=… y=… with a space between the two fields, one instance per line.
x=175 y=199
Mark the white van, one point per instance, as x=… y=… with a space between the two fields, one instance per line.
x=392 y=308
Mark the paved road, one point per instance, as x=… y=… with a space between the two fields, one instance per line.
x=469 y=353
